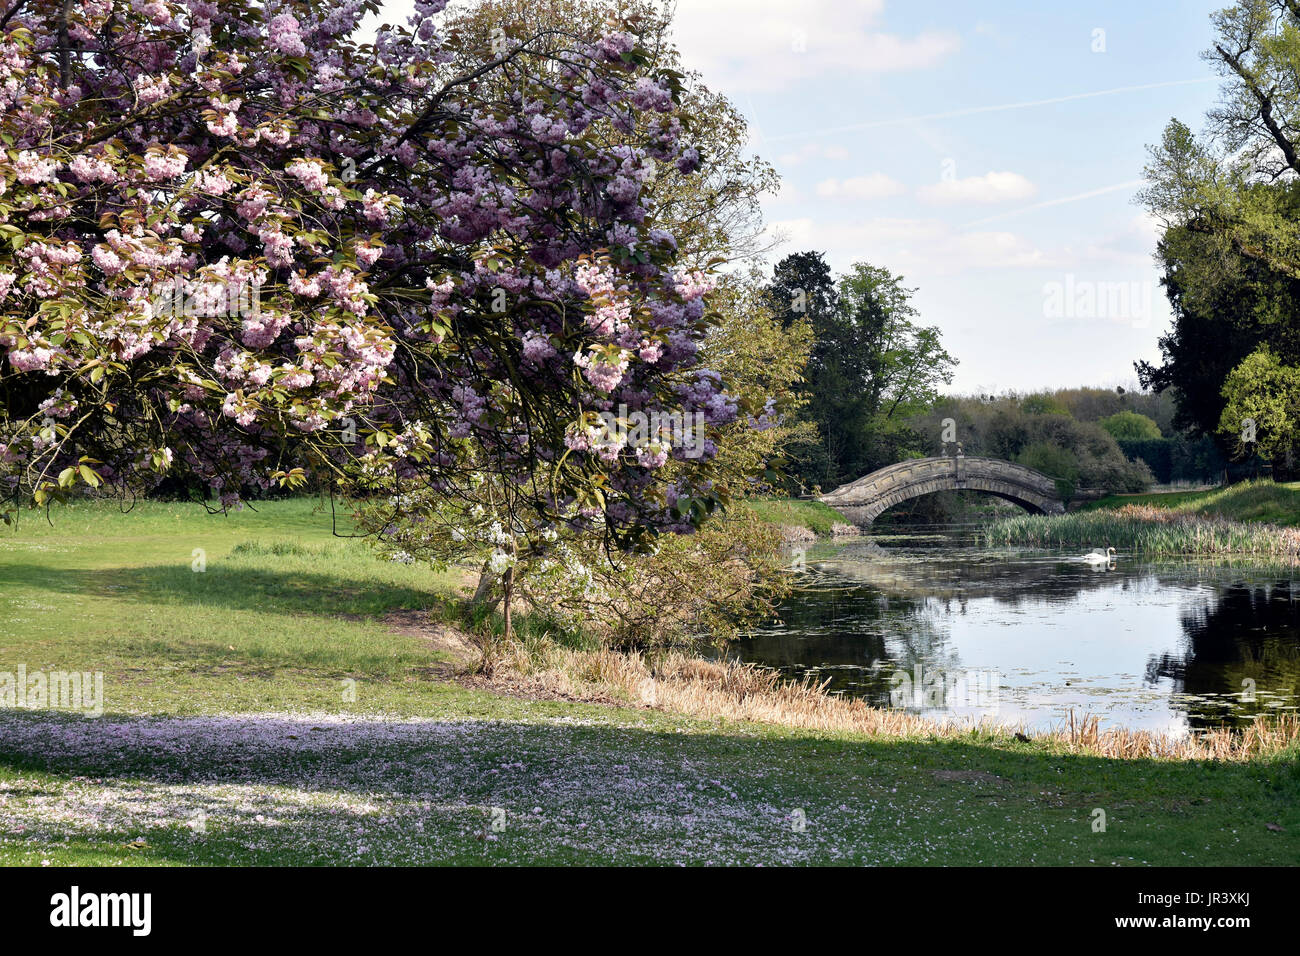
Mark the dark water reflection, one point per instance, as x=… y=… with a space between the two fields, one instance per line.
x=933 y=622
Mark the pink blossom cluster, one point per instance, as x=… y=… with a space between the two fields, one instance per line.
x=604 y=368
x=311 y=173
x=31 y=168
x=151 y=89
x=160 y=165
x=286 y=35
x=378 y=207
x=91 y=169
x=52 y=267
x=537 y=347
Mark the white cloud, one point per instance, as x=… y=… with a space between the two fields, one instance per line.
x=1130 y=247
x=769 y=44
x=992 y=187
x=914 y=247
x=1147 y=228
x=874 y=186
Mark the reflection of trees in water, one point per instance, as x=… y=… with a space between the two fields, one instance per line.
x=856 y=636
x=925 y=639
x=1247 y=632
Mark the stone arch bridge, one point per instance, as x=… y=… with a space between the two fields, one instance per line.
x=863 y=500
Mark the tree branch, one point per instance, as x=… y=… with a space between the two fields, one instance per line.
x=1265 y=107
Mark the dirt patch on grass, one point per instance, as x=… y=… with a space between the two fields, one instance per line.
x=437 y=636
x=464 y=655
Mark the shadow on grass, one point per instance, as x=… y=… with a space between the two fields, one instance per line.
x=328 y=790
x=244 y=588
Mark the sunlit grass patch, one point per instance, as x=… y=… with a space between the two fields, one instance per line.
x=813 y=515
x=182 y=609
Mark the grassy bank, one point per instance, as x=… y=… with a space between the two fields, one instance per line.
x=794 y=512
x=1250 y=518
x=1249 y=501
x=285 y=705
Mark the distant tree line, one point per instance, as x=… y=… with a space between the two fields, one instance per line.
x=1040 y=431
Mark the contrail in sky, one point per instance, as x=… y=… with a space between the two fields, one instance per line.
x=972 y=110
x=1131 y=184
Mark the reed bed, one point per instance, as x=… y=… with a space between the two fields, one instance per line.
x=1145 y=529
x=732 y=690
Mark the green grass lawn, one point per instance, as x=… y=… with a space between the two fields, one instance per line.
x=1256 y=501
x=797 y=512
x=231 y=735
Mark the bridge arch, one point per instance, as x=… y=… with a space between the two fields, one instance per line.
x=863 y=500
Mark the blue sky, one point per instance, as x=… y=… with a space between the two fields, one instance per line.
x=997 y=216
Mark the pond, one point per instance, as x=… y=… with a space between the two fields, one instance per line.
x=931 y=621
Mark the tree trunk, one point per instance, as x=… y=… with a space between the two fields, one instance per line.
x=508 y=586
x=486 y=581
x=65 y=46
x=1284 y=467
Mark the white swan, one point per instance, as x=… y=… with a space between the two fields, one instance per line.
x=1100 y=557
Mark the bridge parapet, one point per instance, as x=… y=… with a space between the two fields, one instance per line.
x=864 y=499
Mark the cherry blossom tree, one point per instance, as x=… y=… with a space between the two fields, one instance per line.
x=712 y=215
x=242 y=245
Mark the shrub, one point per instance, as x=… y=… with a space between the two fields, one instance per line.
x=1055 y=462
x=1130 y=426
x=707 y=586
